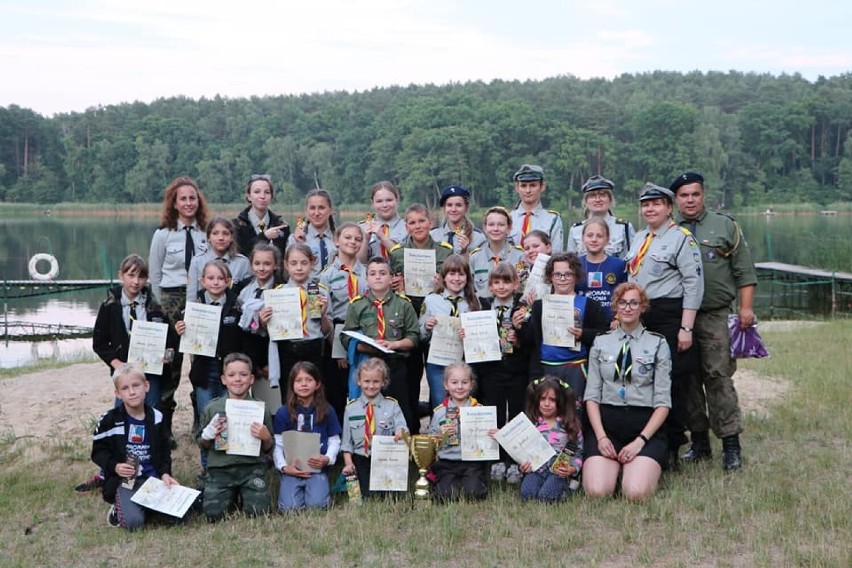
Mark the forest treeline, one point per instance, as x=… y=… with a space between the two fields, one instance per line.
x=757 y=139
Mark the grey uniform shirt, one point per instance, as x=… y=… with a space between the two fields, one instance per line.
x=482 y=262
x=439 y=415
x=621 y=237
x=313 y=325
x=446 y=234
x=336 y=280
x=542 y=219
x=650 y=376
x=396 y=232
x=671 y=267
x=312 y=239
x=166 y=258
x=387 y=416
x=438 y=305
x=238 y=264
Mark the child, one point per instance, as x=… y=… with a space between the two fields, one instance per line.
x=371 y=414
x=453 y=296
x=389 y=319
x=497 y=224
x=126 y=304
x=298 y=262
x=220 y=238
x=130 y=444
x=529 y=214
x=503 y=383
x=318 y=230
x=562 y=272
x=230 y=475
x=205 y=371
x=256 y=224
x=386 y=229
x=552 y=408
x=453 y=477
x=535 y=242
x=603 y=272
x=306 y=411
x=457 y=228
x=265 y=260
x=345 y=279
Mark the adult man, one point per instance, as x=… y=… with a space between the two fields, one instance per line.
x=728 y=273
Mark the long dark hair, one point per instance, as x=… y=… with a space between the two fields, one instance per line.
x=566 y=403
x=320 y=402
x=457 y=263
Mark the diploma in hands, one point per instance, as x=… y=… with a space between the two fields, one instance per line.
x=523 y=442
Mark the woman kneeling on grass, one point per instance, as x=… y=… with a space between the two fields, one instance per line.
x=628 y=397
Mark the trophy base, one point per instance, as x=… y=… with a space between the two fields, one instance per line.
x=421 y=487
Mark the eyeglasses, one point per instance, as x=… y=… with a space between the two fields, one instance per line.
x=562 y=275
x=632 y=304
x=264 y=177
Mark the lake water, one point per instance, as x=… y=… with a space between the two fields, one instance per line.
x=88 y=248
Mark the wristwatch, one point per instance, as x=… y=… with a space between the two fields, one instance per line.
x=688 y=329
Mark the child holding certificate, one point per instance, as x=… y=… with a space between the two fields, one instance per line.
x=503 y=384
x=603 y=272
x=453 y=296
x=551 y=324
x=371 y=414
x=230 y=476
x=496 y=224
x=305 y=485
x=535 y=242
x=265 y=260
x=455 y=478
x=551 y=407
x=205 y=372
x=131 y=444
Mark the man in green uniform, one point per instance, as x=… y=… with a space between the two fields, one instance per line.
x=728 y=275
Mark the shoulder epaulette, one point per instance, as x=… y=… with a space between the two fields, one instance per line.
x=728 y=215
x=685 y=231
x=352 y=401
x=395 y=247
x=326 y=267
x=437 y=407
x=519 y=248
x=404 y=297
x=555 y=212
x=356 y=298
x=578 y=224
x=655 y=334
x=622 y=221
x=445 y=244
x=323 y=286
x=477 y=249
x=390 y=398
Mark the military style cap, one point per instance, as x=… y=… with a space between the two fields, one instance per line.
x=686 y=179
x=596 y=183
x=454 y=191
x=651 y=191
x=529 y=172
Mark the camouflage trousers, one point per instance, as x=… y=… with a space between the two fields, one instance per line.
x=225 y=484
x=173 y=304
x=712 y=401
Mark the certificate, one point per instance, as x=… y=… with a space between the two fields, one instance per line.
x=481 y=339
x=202 y=329
x=241 y=414
x=557 y=313
x=368 y=340
x=286 y=320
x=299 y=446
x=148 y=346
x=337 y=349
x=476 y=444
x=446 y=346
x=419 y=271
x=155 y=494
x=388 y=464
x=523 y=442
x=535 y=285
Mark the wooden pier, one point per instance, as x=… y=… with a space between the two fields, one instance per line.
x=789 y=289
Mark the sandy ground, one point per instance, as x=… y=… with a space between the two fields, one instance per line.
x=66 y=403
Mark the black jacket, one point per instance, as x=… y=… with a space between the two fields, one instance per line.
x=109 y=445
x=230 y=339
x=247 y=237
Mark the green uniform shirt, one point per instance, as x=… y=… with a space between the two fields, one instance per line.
x=726 y=256
x=218 y=458
x=397 y=254
x=400 y=319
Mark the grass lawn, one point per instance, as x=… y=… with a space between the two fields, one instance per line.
x=790 y=506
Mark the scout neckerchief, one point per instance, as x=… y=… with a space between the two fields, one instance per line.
x=303 y=301
x=380 y=318
x=369 y=427
x=385 y=234
x=525 y=227
x=624 y=366
x=352 y=281
x=454 y=307
x=133 y=305
x=636 y=262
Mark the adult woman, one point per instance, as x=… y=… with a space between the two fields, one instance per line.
x=665 y=261
x=256 y=223
x=563 y=270
x=627 y=400
x=180 y=237
x=457 y=229
x=598 y=201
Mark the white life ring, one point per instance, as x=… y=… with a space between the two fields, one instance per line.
x=49 y=275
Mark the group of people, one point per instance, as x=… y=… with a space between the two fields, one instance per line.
x=650 y=359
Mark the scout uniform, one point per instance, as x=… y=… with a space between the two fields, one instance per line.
x=250 y=230
x=387 y=420
x=621 y=237
x=446 y=234
x=395 y=230
x=397 y=258
x=229 y=474
x=728 y=266
x=630 y=376
x=322 y=246
x=443 y=304
x=539 y=218
x=455 y=478
x=238 y=264
x=483 y=260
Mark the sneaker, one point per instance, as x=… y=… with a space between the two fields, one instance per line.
x=498 y=471
x=112 y=518
x=91 y=484
x=514 y=475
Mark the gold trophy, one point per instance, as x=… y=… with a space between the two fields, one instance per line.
x=424 y=451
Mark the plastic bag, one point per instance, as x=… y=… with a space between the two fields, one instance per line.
x=745 y=343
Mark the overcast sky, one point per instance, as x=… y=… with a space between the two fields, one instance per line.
x=67 y=56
